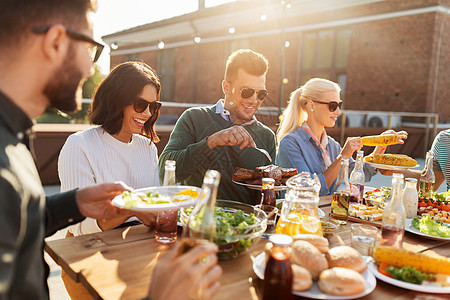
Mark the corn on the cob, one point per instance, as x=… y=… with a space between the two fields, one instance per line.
x=391 y=159
x=380 y=140
x=402 y=258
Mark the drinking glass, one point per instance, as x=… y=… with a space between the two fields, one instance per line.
x=363 y=238
x=166 y=226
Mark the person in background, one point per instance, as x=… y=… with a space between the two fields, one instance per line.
x=441 y=161
x=224 y=136
x=303 y=141
x=46 y=50
x=125 y=106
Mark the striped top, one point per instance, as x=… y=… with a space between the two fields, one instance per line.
x=441 y=152
x=94 y=156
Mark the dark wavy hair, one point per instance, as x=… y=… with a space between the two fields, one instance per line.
x=118 y=90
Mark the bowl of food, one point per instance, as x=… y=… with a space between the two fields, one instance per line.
x=239 y=227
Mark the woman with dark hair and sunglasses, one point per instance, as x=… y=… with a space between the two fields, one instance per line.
x=303 y=141
x=125 y=106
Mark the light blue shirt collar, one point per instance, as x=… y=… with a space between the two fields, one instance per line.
x=220 y=109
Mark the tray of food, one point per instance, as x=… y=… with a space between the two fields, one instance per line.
x=253 y=178
x=412 y=271
x=372 y=211
x=391 y=161
x=323 y=273
x=158 y=198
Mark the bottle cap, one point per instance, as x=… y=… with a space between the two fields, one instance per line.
x=411 y=179
x=170 y=163
x=281 y=239
x=268 y=180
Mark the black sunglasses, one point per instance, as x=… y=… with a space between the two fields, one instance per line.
x=248 y=92
x=141 y=105
x=94 y=51
x=332 y=106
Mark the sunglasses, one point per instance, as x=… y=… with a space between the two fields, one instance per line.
x=248 y=92
x=141 y=105
x=94 y=51
x=332 y=106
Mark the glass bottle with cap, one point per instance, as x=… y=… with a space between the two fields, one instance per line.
x=341 y=195
x=278 y=276
x=268 y=196
x=410 y=198
x=269 y=201
x=427 y=178
x=357 y=179
x=394 y=216
x=169 y=173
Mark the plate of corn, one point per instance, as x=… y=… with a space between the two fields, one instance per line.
x=391 y=161
x=432 y=271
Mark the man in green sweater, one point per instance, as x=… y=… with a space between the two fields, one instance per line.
x=224 y=136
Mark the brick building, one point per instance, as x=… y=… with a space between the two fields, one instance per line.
x=386 y=55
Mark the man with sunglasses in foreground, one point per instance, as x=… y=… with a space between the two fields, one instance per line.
x=46 y=50
x=224 y=136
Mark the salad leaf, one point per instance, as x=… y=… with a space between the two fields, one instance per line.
x=431 y=227
x=442 y=196
x=409 y=274
x=415 y=222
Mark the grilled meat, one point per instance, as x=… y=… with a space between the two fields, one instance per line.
x=255 y=177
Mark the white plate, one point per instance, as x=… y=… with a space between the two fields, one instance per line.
x=406 y=285
x=314 y=292
x=389 y=167
x=259 y=187
x=319 y=211
x=412 y=229
x=162 y=190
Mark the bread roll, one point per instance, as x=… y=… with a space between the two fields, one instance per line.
x=302 y=278
x=346 y=257
x=341 y=282
x=319 y=242
x=309 y=257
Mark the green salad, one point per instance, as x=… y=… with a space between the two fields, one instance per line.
x=431 y=227
x=409 y=274
x=229 y=227
x=132 y=199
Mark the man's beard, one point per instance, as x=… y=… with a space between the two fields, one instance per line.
x=64 y=88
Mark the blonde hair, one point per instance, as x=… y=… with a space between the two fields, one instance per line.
x=295 y=113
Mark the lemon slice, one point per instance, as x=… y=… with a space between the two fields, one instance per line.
x=311 y=225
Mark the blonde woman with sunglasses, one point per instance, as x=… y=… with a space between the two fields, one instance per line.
x=302 y=138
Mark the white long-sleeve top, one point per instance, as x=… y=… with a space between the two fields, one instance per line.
x=94 y=156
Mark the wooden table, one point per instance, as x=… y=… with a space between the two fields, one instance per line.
x=118 y=264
